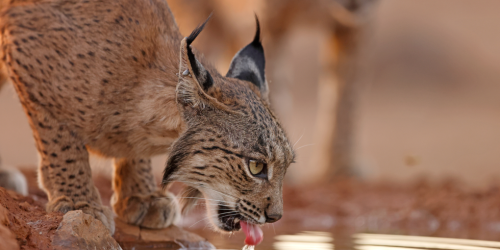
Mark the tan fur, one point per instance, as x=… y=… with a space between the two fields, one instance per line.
x=136 y=192
x=101 y=76
x=3 y=76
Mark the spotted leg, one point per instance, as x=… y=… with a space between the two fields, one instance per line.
x=64 y=171
x=137 y=199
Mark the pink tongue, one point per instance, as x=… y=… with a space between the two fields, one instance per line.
x=253 y=232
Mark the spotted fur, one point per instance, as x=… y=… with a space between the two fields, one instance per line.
x=117 y=78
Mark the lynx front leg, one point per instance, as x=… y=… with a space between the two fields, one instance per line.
x=65 y=173
x=137 y=200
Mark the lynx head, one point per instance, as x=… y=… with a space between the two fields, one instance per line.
x=234 y=151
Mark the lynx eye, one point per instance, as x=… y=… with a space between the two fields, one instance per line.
x=256 y=168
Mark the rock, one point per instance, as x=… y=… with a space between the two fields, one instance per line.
x=201 y=245
x=27 y=220
x=173 y=237
x=169 y=234
x=125 y=232
x=7 y=239
x=13 y=179
x=82 y=231
x=24 y=224
x=4 y=216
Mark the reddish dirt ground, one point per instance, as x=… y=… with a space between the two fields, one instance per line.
x=32 y=226
x=446 y=210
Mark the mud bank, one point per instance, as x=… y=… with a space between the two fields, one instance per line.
x=24 y=224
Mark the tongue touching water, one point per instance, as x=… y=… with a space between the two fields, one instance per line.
x=253 y=233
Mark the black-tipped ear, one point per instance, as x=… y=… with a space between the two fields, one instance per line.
x=204 y=78
x=249 y=64
x=194 y=79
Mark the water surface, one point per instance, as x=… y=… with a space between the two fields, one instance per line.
x=319 y=240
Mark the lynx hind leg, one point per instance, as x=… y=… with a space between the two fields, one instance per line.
x=137 y=199
x=64 y=172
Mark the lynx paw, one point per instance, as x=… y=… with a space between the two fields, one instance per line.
x=61 y=204
x=64 y=204
x=158 y=210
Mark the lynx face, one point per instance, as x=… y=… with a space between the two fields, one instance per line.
x=234 y=152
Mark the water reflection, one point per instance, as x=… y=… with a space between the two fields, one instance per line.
x=344 y=240
x=311 y=240
x=305 y=240
x=393 y=242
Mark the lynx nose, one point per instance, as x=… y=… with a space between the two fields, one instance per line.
x=270 y=218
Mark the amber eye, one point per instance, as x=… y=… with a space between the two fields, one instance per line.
x=255 y=167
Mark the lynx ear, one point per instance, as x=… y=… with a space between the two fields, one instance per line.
x=249 y=64
x=194 y=79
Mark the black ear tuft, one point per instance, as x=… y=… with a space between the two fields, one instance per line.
x=256 y=39
x=249 y=63
x=203 y=77
x=197 y=31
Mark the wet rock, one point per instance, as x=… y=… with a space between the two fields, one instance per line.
x=173 y=237
x=82 y=231
x=169 y=234
x=125 y=232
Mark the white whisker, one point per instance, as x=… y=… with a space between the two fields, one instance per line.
x=304 y=146
x=303 y=130
x=201 y=185
x=228 y=202
x=217 y=215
